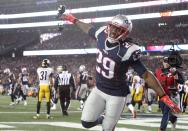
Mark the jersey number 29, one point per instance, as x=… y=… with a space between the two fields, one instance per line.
x=108 y=66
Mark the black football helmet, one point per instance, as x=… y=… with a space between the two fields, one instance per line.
x=64 y=67
x=45 y=63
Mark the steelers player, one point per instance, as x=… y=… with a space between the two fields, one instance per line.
x=45 y=81
x=137 y=91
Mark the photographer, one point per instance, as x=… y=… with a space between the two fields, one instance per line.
x=169 y=77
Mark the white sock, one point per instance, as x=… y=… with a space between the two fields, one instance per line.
x=131 y=108
x=149 y=108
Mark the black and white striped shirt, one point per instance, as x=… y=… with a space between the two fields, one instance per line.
x=64 y=79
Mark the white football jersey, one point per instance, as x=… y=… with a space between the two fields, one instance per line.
x=44 y=75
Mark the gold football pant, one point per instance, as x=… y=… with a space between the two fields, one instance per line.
x=44 y=90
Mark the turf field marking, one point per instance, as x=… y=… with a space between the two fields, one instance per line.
x=6 y=126
x=54 y=112
x=140 y=121
x=68 y=125
x=153 y=122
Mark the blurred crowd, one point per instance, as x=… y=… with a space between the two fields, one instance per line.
x=32 y=63
x=152 y=34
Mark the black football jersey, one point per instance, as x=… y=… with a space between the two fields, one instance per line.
x=113 y=61
x=84 y=77
x=24 y=77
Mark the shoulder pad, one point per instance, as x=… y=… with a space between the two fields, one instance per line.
x=131 y=49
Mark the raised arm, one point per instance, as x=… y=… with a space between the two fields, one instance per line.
x=85 y=27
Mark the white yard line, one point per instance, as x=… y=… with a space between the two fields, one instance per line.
x=68 y=125
x=153 y=122
x=6 y=126
x=12 y=130
x=145 y=122
x=34 y=112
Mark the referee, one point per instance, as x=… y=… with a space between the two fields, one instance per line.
x=63 y=83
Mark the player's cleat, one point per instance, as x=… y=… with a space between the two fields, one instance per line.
x=25 y=103
x=65 y=113
x=148 y=111
x=17 y=101
x=173 y=126
x=36 y=116
x=53 y=107
x=12 y=103
x=49 y=117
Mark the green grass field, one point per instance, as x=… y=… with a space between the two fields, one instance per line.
x=20 y=118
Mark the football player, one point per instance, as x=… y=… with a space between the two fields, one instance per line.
x=115 y=53
x=185 y=98
x=11 y=81
x=54 y=99
x=129 y=78
x=45 y=73
x=150 y=96
x=24 y=82
x=82 y=80
x=2 y=90
x=137 y=92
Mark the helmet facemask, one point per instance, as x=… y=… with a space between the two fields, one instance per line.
x=116 y=33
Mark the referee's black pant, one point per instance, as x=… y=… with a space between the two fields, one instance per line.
x=64 y=95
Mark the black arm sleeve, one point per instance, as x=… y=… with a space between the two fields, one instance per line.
x=72 y=83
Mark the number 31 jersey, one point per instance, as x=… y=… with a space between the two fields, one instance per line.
x=44 y=75
x=113 y=61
